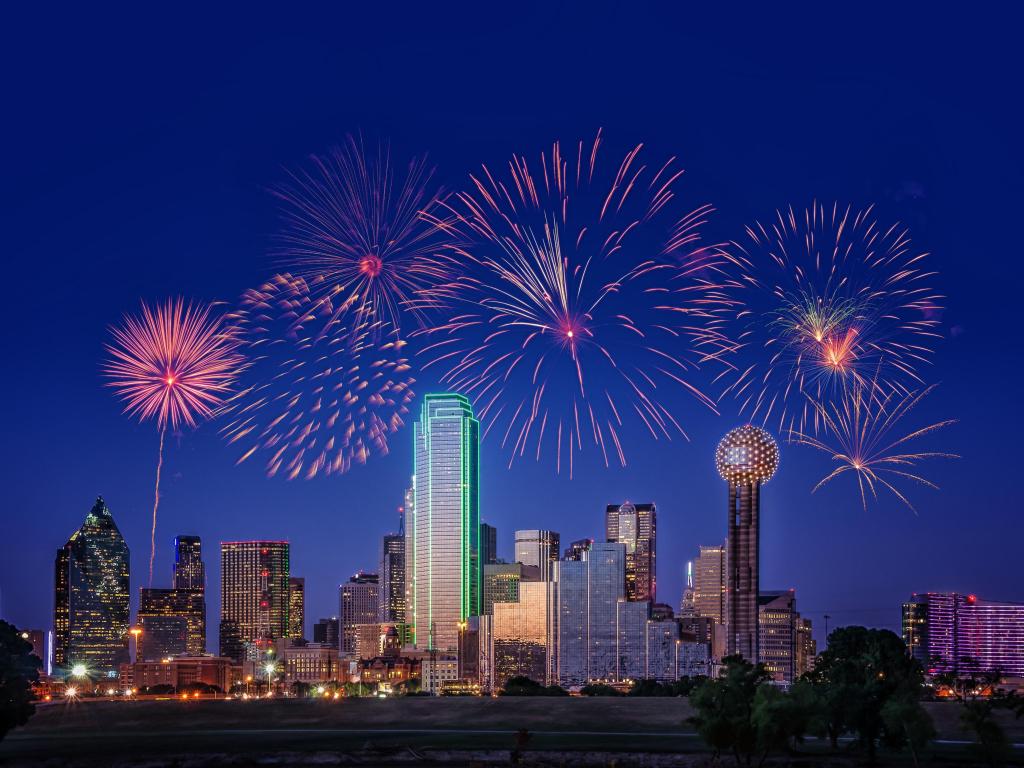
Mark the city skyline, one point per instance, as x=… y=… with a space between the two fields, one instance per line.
x=150 y=201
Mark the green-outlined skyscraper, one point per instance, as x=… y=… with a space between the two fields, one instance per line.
x=445 y=521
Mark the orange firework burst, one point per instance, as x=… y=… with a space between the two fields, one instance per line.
x=175 y=363
x=326 y=388
x=356 y=235
x=588 y=298
x=861 y=434
x=833 y=299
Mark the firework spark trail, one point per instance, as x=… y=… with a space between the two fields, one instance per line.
x=861 y=435
x=357 y=235
x=174 y=363
x=325 y=387
x=833 y=300
x=585 y=299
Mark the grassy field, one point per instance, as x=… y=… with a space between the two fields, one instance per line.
x=386 y=731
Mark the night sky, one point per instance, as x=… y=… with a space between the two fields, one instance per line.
x=138 y=153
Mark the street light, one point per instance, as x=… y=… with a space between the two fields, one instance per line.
x=135 y=632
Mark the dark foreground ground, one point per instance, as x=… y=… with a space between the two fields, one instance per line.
x=574 y=731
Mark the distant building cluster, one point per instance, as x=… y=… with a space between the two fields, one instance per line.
x=443 y=611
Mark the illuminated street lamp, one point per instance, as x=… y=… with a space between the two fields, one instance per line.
x=135 y=632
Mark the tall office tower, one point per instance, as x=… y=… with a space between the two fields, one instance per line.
x=488 y=544
x=521 y=633
x=326 y=632
x=254 y=590
x=709 y=583
x=409 y=529
x=392 y=578
x=806 y=648
x=91 y=611
x=587 y=594
x=576 y=549
x=688 y=602
x=446 y=520
x=296 y=607
x=358 y=603
x=953 y=632
x=539 y=549
x=746 y=458
x=636 y=526
x=189 y=571
x=777 y=625
x=173 y=623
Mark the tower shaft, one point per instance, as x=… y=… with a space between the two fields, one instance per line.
x=743 y=583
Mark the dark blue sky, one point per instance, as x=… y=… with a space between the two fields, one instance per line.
x=137 y=152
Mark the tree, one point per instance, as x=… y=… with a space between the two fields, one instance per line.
x=979 y=694
x=725 y=708
x=521 y=686
x=650 y=688
x=19 y=669
x=599 y=689
x=861 y=672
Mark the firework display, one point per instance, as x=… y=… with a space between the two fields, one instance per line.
x=588 y=298
x=834 y=298
x=354 y=232
x=174 y=363
x=324 y=388
x=863 y=434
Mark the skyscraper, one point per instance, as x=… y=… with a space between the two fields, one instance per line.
x=777 y=627
x=296 y=607
x=254 y=589
x=91 y=611
x=746 y=458
x=327 y=632
x=392 y=577
x=501 y=583
x=521 y=635
x=709 y=583
x=537 y=548
x=488 y=544
x=358 y=603
x=173 y=622
x=688 y=602
x=189 y=571
x=636 y=526
x=446 y=520
x=954 y=632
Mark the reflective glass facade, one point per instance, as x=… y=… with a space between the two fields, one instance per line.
x=91 y=612
x=161 y=612
x=636 y=526
x=445 y=520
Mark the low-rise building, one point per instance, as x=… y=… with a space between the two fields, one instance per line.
x=177 y=672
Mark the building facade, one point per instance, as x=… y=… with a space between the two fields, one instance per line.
x=521 y=636
x=488 y=544
x=777 y=644
x=636 y=526
x=576 y=549
x=538 y=549
x=173 y=622
x=962 y=633
x=178 y=672
x=709 y=582
x=91 y=605
x=254 y=590
x=327 y=632
x=189 y=571
x=296 y=607
x=392 y=578
x=358 y=604
x=445 y=521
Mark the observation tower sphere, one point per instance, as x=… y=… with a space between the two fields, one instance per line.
x=746 y=455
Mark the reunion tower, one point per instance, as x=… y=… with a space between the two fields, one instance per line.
x=745 y=458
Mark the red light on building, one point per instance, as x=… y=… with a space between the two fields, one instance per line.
x=972 y=599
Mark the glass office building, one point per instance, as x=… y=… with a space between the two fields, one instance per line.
x=445 y=521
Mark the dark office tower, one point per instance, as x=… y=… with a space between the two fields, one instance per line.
x=296 y=607
x=392 y=578
x=576 y=549
x=746 y=458
x=173 y=622
x=488 y=544
x=358 y=603
x=189 y=571
x=231 y=645
x=325 y=632
x=636 y=526
x=91 y=612
x=778 y=627
x=254 y=589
